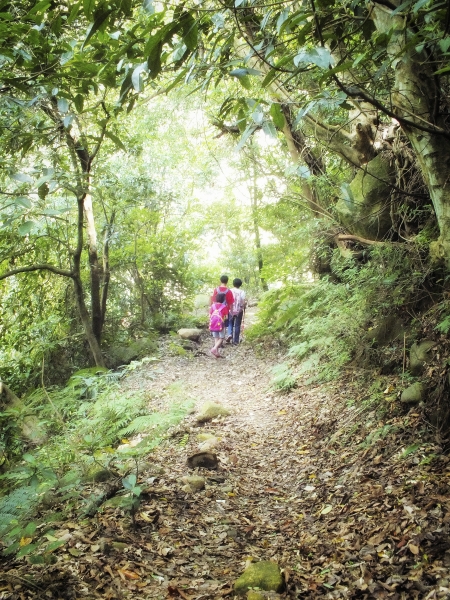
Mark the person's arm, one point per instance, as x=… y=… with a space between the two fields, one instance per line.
x=244 y=300
x=230 y=300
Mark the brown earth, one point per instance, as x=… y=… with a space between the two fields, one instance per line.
x=349 y=501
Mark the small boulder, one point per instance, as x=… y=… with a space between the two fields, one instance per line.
x=419 y=356
x=203 y=437
x=413 y=394
x=209 y=444
x=194 y=482
x=252 y=595
x=211 y=410
x=264 y=575
x=205 y=460
x=190 y=334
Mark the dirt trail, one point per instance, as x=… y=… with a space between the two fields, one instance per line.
x=345 y=519
x=343 y=502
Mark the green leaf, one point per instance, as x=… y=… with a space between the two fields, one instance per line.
x=22 y=201
x=26 y=550
x=444 y=70
x=444 y=44
x=116 y=140
x=245 y=82
x=26 y=227
x=79 y=102
x=40 y=7
x=269 y=129
x=418 y=5
x=283 y=17
x=45 y=177
x=22 y=177
x=75 y=8
x=29 y=458
x=190 y=32
x=247 y=133
x=410 y=450
x=319 y=56
x=95 y=26
x=154 y=59
x=126 y=87
x=269 y=78
x=88 y=7
x=277 y=115
x=63 y=105
x=54 y=546
x=129 y=482
x=29 y=529
x=11 y=549
x=148 y=6
x=136 y=76
x=402 y=6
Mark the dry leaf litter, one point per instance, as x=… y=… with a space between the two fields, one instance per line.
x=300 y=482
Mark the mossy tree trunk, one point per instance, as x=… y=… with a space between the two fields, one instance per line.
x=416 y=98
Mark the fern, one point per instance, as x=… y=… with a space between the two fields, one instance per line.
x=17 y=506
x=156 y=423
x=283 y=378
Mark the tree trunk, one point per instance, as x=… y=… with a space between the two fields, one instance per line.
x=86 y=322
x=106 y=272
x=416 y=98
x=254 y=206
x=95 y=268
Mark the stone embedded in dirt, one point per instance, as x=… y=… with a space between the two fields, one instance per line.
x=413 y=394
x=190 y=334
x=205 y=460
x=211 y=410
x=203 y=437
x=195 y=482
x=209 y=444
x=419 y=356
x=252 y=595
x=264 y=575
x=98 y=475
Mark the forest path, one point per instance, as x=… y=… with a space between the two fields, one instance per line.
x=311 y=480
x=249 y=506
x=336 y=492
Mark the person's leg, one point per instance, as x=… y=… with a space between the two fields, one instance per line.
x=230 y=329
x=217 y=341
x=221 y=340
x=237 y=327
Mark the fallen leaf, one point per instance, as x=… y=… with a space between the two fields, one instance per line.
x=326 y=509
x=25 y=541
x=413 y=548
x=124 y=573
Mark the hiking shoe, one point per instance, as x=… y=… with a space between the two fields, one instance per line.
x=228 y=340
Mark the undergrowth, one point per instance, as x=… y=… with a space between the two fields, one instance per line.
x=84 y=430
x=323 y=325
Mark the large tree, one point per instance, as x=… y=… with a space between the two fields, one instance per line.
x=352 y=79
x=66 y=72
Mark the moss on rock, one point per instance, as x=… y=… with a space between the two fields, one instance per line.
x=264 y=575
x=211 y=410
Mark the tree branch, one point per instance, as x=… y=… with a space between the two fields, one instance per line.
x=42 y=267
x=344 y=237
